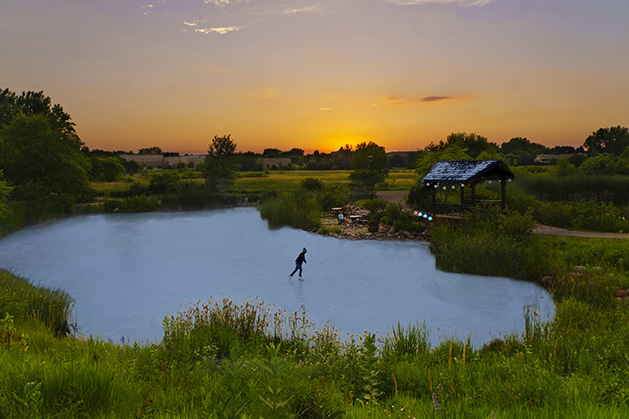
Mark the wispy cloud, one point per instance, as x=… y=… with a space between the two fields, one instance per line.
x=464 y=3
x=219 y=31
x=224 y=2
x=398 y=101
x=307 y=9
x=434 y=98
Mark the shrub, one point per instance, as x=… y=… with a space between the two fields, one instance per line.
x=492 y=243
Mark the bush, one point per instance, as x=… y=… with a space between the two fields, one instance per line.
x=140 y=203
x=492 y=243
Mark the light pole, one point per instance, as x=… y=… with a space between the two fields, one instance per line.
x=370 y=177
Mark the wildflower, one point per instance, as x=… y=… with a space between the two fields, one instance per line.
x=435 y=399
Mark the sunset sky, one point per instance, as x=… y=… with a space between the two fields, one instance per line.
x=319 y=74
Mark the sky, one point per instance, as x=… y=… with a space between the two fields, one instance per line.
x=320 y=74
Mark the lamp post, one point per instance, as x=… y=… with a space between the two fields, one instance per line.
x=370 y=177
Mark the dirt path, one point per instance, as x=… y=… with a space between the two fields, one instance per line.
x=556 y=231
x=397 y=197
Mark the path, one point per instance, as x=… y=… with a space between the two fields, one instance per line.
x=397 y=197
x=556 y=231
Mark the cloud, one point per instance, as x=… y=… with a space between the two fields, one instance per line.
x=220 y=31
x=464 y=3
x=397 y=101
x=434 y=98
x=307 y=9
x=223 y=2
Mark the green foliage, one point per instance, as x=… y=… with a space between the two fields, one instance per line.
x=162 y=180
x=401 y=343
x=5 y=190
x=107 y=169
x=312 y=184
x=220 y=164
x=297 y=210
x=301 y=208
x=137 y=203
x=492 y=243
x=25 y=301
x=608 y=140
x=32 y=151
x=370 y=164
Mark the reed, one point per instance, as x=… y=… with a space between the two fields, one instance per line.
x=25 y=301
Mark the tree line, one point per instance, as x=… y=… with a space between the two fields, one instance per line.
x=46 y=167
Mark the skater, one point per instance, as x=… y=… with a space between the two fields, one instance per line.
x=300 y=259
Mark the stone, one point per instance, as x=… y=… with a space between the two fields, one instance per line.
x=580 y=269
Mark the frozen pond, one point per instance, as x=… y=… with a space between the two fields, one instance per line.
x=128 y=271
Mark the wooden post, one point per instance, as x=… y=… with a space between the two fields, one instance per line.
x=504 y=193
x=462 y=195
x=473 y=194
x=434 y=198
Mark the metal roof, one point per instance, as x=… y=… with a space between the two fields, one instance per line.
x=465 y=172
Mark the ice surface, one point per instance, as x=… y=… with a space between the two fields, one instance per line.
x=128 y=271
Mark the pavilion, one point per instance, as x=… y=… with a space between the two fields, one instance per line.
x=447 y=174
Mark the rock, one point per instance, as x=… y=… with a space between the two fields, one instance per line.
x=620 y=293
x=547 y=280
x=580 y=269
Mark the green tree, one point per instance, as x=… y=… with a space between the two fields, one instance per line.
x=612 y=140
x=36 y=103
x=429 y=158
x=34 y=152
x=370 y=165
x=150 y=150
x=220 y=163
x=5 y=190
x=521 y=151
x=107 y=169
x=472 y=144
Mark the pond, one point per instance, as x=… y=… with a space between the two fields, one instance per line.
x=128 y=271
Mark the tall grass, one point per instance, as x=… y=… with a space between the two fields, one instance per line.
x=492 y=243
x=25 y=301
x=576 y=187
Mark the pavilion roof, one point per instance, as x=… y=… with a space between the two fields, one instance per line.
x=466 y=172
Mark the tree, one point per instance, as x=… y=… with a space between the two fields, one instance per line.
x=608 y=140
x=34 y=152
x=370 y=164
x=472 y=144
x=36 y=103
x=520 y=151
x=150 y=150
x=220 y=163
x=5 y=190
x=107 y=169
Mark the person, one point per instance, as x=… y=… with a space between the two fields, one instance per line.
x=341 y=217
x=298 y=262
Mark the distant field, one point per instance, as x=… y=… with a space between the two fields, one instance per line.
x=398 y=179
x=286 y=180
